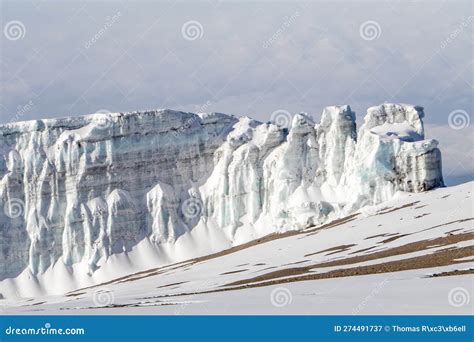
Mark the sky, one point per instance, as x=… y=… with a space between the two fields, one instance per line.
x=68 y=58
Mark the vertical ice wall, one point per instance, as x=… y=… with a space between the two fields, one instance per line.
x=81 y=189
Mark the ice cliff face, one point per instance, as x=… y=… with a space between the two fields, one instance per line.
x=79 y=190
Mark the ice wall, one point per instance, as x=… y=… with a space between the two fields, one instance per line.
x=81 y=189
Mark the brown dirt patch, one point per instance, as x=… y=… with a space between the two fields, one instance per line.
x=393 y=238
x=420 y=206
x=172 y=284
x=453 y=273
x=447 y=224
x=331 y=224
x=362 y=250
x=408 y=205
x=440 y=258
x=336 y=249
x=422 y=215
x=379 y=235
x=232 y=272
x=408 y=248
x=297 y=262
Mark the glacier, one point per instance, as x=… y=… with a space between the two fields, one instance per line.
x=85 y=190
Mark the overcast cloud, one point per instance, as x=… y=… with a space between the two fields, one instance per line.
x=245 y=58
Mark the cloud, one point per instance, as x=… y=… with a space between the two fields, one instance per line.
x=249 y=59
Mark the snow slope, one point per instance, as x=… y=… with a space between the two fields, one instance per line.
x=90 y=198
x=410 y=255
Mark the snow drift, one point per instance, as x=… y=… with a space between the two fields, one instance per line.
x=81 y=190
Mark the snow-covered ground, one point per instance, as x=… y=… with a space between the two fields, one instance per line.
x=400 y=293
x=380 y=260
